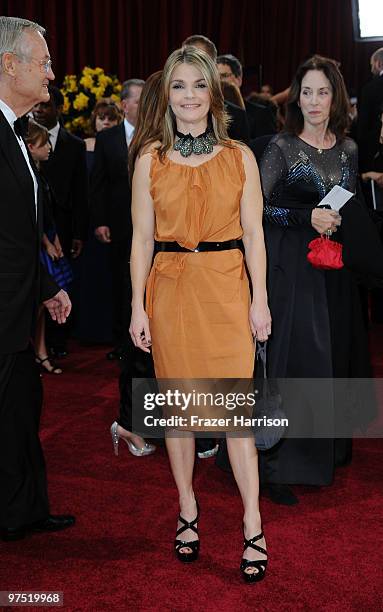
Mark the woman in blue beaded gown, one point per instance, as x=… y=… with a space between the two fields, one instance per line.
x=318 y=325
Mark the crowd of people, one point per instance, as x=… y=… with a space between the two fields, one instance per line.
x=201 y=252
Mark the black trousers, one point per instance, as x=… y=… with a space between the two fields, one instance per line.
x=23 y=484
x=122 y=293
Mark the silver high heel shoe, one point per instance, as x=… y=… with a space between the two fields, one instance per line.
x=147 y=449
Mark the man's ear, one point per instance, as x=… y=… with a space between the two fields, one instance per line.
x=8 y=63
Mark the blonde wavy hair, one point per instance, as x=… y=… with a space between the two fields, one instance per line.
x=219 y=119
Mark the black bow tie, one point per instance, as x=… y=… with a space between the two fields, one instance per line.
x=21 y=126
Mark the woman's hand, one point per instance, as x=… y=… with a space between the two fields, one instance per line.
x=58 y=246
x=260 y=321
x=324 y=220
x=52 y=251
x=375 y=176
x=139 y=330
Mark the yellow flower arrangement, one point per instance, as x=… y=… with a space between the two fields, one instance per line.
x=81 y=94
x=81 y=101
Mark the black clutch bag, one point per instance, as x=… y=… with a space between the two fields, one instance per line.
x=269 y=419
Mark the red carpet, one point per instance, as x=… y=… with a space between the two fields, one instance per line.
x=325 y=553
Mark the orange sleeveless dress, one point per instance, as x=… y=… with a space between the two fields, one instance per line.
x=198 y=303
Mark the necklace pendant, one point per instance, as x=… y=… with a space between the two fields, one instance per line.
x=199 y=145
x=320 y=151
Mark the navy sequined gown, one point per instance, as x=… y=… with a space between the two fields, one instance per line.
x=318 y=327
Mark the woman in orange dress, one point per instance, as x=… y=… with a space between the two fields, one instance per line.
x=197 y=194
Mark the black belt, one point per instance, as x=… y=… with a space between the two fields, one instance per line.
x=202 y=246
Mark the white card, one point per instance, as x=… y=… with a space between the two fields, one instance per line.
x=336 y=198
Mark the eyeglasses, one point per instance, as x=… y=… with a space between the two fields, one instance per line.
x=45 y=65
x=225 y=75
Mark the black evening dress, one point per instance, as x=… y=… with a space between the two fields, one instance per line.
x=318 y=326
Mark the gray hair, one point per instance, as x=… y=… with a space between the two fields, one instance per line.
x=377 y=56
x=125 y=92
x=11 y=32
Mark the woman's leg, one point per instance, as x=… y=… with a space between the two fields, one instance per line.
x=124 y=419
x=181 y=451
x=244 y=462
x=40 y=345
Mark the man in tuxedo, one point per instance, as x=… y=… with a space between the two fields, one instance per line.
x=261 y=118
x=66 y=173
x=369 y=112
x=25 y=72
x=111 y=199
x=239 y=127
x=369 y=137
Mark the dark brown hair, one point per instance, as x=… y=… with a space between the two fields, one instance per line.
x=105 y=107
x=338 y=121
x=231 y=93
x=149 y=119
x=36 y=133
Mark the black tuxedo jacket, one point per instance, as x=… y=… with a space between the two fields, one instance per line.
x=262 y=120
x=239 y=127
x=110 y=187
x=369 y=125
x=67 y=175
x=24 y=283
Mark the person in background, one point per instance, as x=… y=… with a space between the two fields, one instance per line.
x=261 y=118
x=106 y=114
x=232 y=93
x=372 y=185
x=238 y=129
x=135 y=363
x=369 y=111
x=66 y=173
x=94 y=300
x=239 y=126
x=266 y=91
x=65 y=170
x=37 y=140
x=110 y=202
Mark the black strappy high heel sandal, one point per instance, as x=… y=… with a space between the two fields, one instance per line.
x=259 y=564
x=44 y=364
x=187 y=557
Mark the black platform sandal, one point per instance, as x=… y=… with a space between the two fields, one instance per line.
x=187 y=557
x=258 y=564
x=44 y=367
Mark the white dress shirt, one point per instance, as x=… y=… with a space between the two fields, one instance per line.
x=53 y=134
x=11 y=118
x=129 y=131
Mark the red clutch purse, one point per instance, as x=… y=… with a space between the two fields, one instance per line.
x=325 y=254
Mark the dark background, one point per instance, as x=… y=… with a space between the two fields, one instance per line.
x=132 y=38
